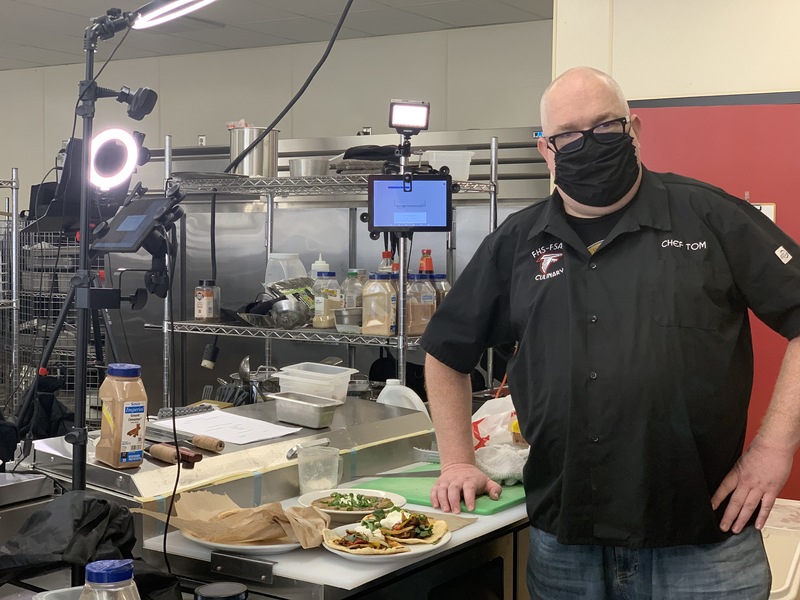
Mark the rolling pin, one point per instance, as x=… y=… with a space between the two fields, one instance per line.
x=204 y=442
x=168 y=454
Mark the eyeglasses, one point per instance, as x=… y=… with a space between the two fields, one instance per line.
x=604 y=133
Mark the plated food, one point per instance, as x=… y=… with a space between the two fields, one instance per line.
x=394 y=533
x=350 y=504
x=244 y=548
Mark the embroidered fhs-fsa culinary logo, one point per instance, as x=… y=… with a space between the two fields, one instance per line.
x=547 y=262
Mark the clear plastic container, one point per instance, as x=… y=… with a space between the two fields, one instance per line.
x=295 y=381
x=352 y=289
x=420 y=303
x=110 y=580
x=442 y=287
x=385 y=266
x=396 y=394
x=283 y=266
x=318 y=266
x=327 y=298
x=379 y=305
x=457 y=161
x=124 y=400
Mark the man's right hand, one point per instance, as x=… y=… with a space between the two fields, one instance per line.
x=462 y=480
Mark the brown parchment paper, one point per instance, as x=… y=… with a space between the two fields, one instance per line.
x=217 y=518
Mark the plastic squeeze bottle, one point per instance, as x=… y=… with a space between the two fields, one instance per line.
x=318 y=266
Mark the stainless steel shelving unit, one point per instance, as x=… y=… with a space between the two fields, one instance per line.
x=9 y=292
x=320 y=336
x=340 y=191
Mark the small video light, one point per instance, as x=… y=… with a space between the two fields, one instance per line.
x=409 y=116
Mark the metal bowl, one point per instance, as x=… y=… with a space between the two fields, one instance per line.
x=308 y=167
x=290 y=313
x=348 y=320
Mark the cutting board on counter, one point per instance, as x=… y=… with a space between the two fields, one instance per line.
x=417 y=490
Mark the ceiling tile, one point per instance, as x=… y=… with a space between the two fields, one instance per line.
x=469 y=13
x=301 y=29
x=541 y=8
x=317 y=8
x=232 y=38
x=389 y=21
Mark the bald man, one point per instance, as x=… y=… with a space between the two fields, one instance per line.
x=626 y=292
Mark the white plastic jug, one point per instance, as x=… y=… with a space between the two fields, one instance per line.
x=396 y=394
x=283 y=266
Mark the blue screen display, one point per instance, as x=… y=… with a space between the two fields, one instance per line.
x=424 y=204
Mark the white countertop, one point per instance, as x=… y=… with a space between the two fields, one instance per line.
x=322 y=567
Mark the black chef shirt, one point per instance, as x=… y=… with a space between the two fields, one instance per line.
x=634 y=367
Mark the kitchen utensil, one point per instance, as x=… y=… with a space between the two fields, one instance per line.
x=292 y=452
x=261 y=161
x=167 y=452
x=244 y=370
x=422 y=474
x=348 y=320
x=208 y=392
x=307 y=410
x=318 y=468
x=308 y=167
x=205 y=442
x=290 y=313
x=334 y=361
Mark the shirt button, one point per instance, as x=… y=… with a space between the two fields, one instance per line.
x=595 y=439
x=593 y=319
x=592 y=375
x=592 y=265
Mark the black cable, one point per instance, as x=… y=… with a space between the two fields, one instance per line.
x=170 y=272
x=236 y=161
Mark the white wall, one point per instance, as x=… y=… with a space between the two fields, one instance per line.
x=682 y=47
x=481 y=77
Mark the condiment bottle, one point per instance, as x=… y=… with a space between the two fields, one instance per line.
x=206 y=301
x=352 y=290
x=110 y=580
x=385 y=265
x=327 y=298
x=124 y=400
x=426 y=262
x=442 y=287
x=420 y=302
x=318 y=266
x=378 y=305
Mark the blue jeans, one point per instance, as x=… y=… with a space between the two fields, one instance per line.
x=736 y=569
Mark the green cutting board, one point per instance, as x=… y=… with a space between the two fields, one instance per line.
x=417 y=490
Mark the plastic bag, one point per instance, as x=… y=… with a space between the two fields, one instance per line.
x=491 y=423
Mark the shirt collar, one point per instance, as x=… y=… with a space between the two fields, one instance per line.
x=649 y=208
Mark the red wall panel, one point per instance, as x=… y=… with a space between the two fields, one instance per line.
x=740 y=148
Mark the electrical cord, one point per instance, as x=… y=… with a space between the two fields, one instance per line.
x=235 y=163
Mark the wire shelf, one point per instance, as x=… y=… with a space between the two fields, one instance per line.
x=285 y=186
x=298 y=335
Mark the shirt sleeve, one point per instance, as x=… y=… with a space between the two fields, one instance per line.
x=765 y=263
x=474 y=315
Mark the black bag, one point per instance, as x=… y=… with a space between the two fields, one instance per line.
x=385 y=367
x=9 y=438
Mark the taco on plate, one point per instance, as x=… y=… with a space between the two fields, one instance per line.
x=361 y=541
x=405 y=527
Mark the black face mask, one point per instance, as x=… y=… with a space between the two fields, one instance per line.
x=598 y=174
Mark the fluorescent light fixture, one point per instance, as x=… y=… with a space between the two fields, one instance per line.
x=107 y=167
x=409 y=115
x=160 y=11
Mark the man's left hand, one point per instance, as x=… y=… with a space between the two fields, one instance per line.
x=757 y=476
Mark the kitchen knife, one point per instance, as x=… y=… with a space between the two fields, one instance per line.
x=405 y=474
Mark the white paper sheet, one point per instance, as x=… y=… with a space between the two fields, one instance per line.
x=228 y=427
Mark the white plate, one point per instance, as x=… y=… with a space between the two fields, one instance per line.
x=307 y=499
x=415 y=550
x=244 y=548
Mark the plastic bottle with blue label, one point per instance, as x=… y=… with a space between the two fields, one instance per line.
x=110 y=580
x=124 y=408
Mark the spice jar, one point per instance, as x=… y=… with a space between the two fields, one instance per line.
x=378 y=305
x=327 y=298
x=206 y=301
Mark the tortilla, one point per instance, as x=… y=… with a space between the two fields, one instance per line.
x=438 y=529
x=330 y=539
x=351 y=502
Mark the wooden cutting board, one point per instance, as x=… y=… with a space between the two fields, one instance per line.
x=417 y=490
